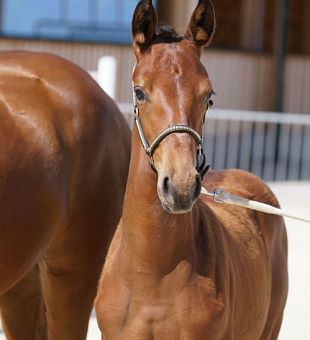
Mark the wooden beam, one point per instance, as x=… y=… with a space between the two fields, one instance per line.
x=252 y=24
x=176 y=12
x=306 y=28
x=280 y=50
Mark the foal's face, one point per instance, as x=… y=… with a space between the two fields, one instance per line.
x=172 y=88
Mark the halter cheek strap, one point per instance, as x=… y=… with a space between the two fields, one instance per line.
x=201 y=166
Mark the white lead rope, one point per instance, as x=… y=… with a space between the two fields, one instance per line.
x=220 y=196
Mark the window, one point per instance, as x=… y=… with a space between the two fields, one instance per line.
x=86 y=20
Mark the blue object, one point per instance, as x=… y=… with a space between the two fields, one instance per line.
x=73 y=20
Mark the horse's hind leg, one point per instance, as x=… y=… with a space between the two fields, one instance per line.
x=70 y=272
x=68 y=302
x=69 y=291
x=22 y=309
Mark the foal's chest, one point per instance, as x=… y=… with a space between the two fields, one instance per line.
x=180 y=310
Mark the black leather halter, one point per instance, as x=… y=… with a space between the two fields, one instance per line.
x=201 y=166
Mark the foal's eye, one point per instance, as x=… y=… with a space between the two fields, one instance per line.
x=208 y=100
x=141 y=96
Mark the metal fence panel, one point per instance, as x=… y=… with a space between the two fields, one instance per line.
x=274 y=146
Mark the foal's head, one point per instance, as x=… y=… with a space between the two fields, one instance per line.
x=172 y=92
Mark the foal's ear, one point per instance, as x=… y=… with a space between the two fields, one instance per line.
x=144 y=24
x=202 y=24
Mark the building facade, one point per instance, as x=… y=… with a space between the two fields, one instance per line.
x=244 y=62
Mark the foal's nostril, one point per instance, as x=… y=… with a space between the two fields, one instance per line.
x=166 y=185
x=198 y=186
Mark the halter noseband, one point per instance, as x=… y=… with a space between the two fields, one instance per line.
x=149 y=149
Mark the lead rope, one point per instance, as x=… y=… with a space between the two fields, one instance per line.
x=220 y=196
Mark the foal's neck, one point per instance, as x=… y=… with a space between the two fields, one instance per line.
x=155 y=240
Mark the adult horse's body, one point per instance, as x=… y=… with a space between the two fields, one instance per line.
x=176 y=269
x=62 y=178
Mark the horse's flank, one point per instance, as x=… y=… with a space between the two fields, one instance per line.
x=63 y=166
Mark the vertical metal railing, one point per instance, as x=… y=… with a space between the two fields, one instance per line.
x=249 y=141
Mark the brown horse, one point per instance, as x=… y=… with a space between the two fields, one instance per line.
x=177 y=268
x=64 y=158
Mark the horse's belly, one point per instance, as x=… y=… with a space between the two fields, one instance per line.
x=31 y=213
x=21 y=246
x=16 y=260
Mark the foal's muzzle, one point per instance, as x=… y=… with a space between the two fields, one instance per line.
x=176 y=199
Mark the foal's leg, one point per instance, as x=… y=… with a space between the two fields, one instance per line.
x=22 y=309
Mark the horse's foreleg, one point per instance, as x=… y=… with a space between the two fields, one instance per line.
x=22 y=309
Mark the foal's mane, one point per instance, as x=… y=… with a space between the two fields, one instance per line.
x=167 y=34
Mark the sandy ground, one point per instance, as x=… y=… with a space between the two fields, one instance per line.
x=294 y=198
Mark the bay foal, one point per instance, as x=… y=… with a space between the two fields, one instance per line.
x=64 y=157
x=180 y=267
